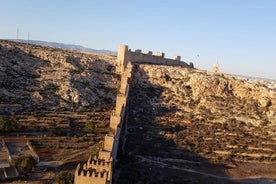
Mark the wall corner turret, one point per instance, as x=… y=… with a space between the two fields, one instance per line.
x=121 y=58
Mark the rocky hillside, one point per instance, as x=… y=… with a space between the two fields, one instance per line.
x=183 y=125
x=197 y=125
x=66 y=46
x=40 y=86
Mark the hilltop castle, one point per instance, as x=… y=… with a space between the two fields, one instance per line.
x=98 y=170
x=125 y=56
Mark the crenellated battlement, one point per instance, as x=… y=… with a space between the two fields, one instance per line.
x=98 y=158
x=94 y=174
x=146 y=53
x=95 y=164
x=94 y=171
x=115 y=120
x=125 y=56
x=96 y=161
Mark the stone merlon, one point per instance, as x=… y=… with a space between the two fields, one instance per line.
x=125 y=56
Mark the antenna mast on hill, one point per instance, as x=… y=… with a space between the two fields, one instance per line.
x=28 y=42
x=17 y=34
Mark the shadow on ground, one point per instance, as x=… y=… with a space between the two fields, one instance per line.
x=148 y=155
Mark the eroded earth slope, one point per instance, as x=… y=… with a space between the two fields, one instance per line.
x=53 y=93
x=190 y=126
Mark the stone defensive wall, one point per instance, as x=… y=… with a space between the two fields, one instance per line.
x=99 y=169
x=125 y=55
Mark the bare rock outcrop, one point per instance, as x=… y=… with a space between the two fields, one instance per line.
x=48 y=74
x=36 y=80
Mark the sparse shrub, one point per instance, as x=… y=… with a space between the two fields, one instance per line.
x=24 y=163
x=59 y=132
x=64 y=178
x=7 y=124
x=89 y=126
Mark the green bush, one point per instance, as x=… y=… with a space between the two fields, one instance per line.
x=64 y=178
x=7 y=124
x=90 y=126
x=59 y=132
x=24 y=163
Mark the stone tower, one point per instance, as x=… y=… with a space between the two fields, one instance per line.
x=122 y=58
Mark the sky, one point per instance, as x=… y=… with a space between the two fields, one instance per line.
x=238 y=34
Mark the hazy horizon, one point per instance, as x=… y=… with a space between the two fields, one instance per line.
x=237 y=34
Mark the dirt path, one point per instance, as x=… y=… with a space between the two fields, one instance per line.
x=164 y=163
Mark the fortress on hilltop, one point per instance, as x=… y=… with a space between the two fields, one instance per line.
x=98 y=170
x=125 y=56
